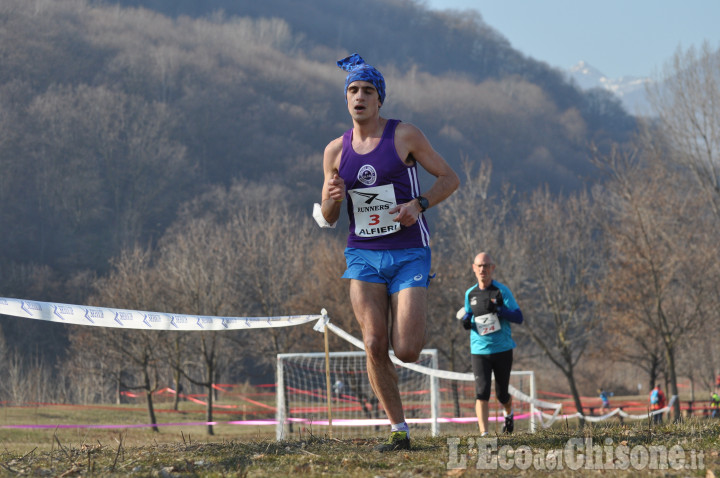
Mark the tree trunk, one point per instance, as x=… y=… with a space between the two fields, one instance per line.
x=176 y=400
x=176 y=375
x=654 y=371
x=209 y=414
x=570 y=375
x=672 y=378
x=454 y=384
x=148 y=396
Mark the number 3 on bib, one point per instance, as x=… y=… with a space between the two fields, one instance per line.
x=370 y=209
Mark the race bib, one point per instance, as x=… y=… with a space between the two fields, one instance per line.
x=487 y=324
x=370 y=209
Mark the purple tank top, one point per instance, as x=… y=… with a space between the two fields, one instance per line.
x=375 y=182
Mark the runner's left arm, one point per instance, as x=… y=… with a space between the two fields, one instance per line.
x=410 y=141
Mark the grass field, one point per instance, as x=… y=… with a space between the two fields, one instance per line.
x=688 y=449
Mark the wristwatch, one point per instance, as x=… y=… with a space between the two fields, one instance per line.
x=424 y=204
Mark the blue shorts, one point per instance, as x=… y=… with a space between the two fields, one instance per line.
x=398 y=268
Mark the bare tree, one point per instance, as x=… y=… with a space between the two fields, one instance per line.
x=131 y=284
x=560 y=254
x=662 y=254
x=26 y=379
x=139 y=350
x=699 y=358
x=197 y=266
x=232 y=252
x=237 y=252
x=627 y=340
x=14 y=384
x=324 y=289
x=470 y=221
x=91 y=370
x=687 y=101
x=274 y=244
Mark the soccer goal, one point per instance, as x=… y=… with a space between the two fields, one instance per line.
x=301 y=393
x=431 y=398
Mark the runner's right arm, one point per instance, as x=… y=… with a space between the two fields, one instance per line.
x=333 y=191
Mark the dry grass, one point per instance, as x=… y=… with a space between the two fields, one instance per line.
x=182 y=451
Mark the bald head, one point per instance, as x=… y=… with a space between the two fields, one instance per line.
x=484 y=267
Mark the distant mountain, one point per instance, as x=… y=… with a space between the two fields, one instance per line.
x=629 y=89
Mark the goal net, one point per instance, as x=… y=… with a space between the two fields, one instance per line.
x=301 y=394
x=431 y=398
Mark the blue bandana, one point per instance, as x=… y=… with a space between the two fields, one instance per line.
x=358 y=70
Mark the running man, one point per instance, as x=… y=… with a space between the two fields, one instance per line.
x=605 y=401
x=372 y=169
x=489 y=309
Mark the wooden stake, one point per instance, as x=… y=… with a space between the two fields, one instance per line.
x=327 y=382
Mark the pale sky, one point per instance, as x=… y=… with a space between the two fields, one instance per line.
x=618 y=37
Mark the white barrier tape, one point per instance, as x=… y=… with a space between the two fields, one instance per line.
x=617 y=411
x=538 y=403
x=465 y=377
x=592 y=418
x=320 y=324
x=135 y=319
x=546 y=419
x=649 y=414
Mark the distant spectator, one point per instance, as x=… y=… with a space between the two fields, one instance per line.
x=338 y=387
x=657 y=402
x=715 y=405
x=605 y=401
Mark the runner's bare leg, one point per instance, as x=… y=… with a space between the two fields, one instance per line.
x=409 y=323
x=371 y=306
x=482 y=410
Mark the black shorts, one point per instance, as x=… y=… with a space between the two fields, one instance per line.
x=483 y=367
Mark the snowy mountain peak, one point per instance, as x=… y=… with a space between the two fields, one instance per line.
x=587 y=76
x=629 y=89
x=584 y=68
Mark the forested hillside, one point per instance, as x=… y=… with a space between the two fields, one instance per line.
x=112 y=115
x=165 y=155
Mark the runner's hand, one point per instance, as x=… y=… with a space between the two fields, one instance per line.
x=336 y=188
x=407 y=214
x=495 y=304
